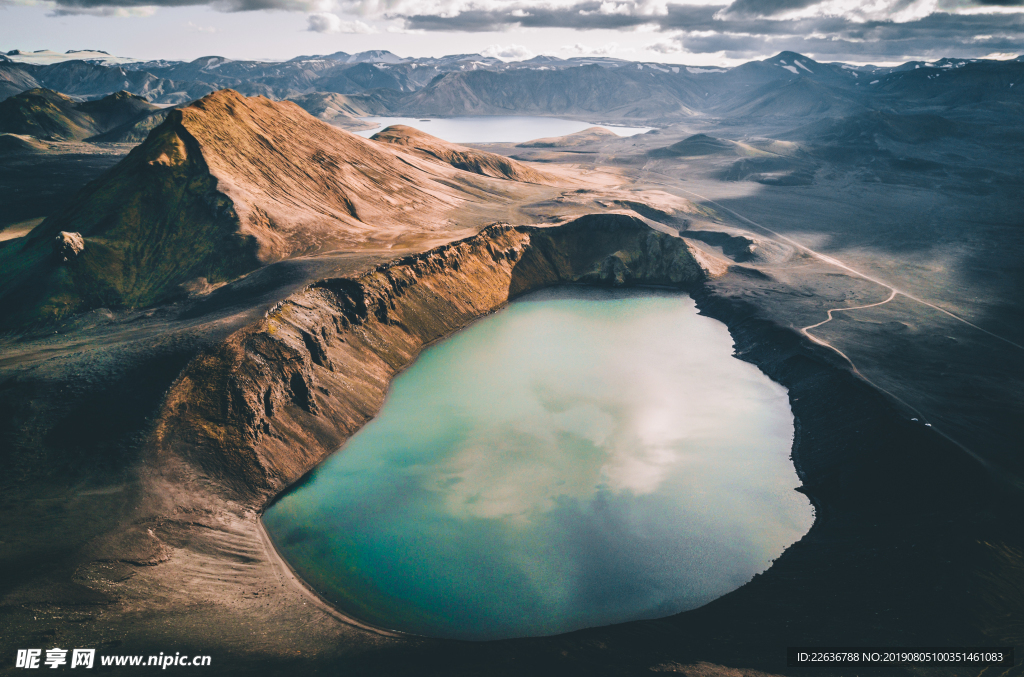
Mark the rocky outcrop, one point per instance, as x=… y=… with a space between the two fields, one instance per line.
x=66 y=246
x=271 y=402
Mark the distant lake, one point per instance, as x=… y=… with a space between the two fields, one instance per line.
x=581 y=458
x=496 y=129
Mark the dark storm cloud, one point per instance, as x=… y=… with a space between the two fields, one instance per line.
x=742 y=29
x=708 y=29
x=749 y=47
x=582 y=16
x=767 y=7
x=588 y=15
x=67 y=7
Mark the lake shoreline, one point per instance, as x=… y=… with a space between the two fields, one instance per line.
x=577 y=419
x=902 y=543
x=496 y=128
x=805 y=369
x=311 y=593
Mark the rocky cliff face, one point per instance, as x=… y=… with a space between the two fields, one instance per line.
x=228 y=184
x=276 y=398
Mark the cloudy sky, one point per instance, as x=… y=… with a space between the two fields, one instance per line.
x=683 y=31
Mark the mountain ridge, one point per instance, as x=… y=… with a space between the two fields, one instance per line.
x=472 y=84
x=225 y=186
x=46 y=114
x=460 y=157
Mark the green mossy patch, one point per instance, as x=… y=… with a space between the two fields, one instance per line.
x=150 y=224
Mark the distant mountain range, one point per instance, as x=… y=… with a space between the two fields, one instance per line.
x=44 y=57
x=787 y=85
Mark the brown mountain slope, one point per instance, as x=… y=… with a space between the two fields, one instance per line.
x=11 y=144
x=377 y=102
x=581 y=138
x=460 y=157
x=46 y=114
x=224 y=186
x=333 y=108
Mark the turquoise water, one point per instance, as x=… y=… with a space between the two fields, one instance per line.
x=495 y=128
x=581 y=458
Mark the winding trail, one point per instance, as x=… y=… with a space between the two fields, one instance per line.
x=839 y=264
x=894 y=292
x=806 y=330
x=857 y=372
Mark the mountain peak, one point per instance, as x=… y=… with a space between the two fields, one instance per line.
x=789 y=56
x=219 y=96
x=231 y=183
x=123 y=95
x=210 y=61
x=375 y=56
x=798 y=64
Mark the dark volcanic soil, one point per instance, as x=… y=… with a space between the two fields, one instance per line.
x=35 y=185
x=918 y=539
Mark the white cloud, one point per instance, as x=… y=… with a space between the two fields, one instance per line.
x=196 y=28
x=325 y=22
x=516 y=8
x=585 y=50
x=858 y=11
x=104 y=11
x=991 y=9
x=509 y=53
x=666 y=47
x=644 y=8
x=898 y=11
